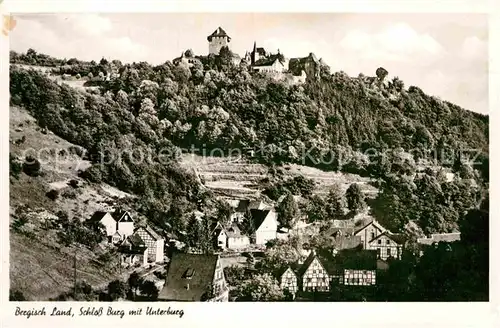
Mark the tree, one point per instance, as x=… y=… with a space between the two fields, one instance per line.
x=149 y=289
x=134 y=282
x=117 y=290
x=355 y=198
x=16 y=296
x=287 y=211
x=316 y=210
x=334 y=205
x=248 y=224
x=83 y=291
x=261 y=288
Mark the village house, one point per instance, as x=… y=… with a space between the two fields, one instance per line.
x=235 y=240
x=154 y=242
x=359 y=267
x=107 y=220
x=195 y=277
x=368 y=232
x=325 y=268
x=266 y=223
x=117 y=221
x=388 y=245
x=288 y=280
x=219 y=235
x=242 y=206
x=229 y=237
x=314 y=274
x=133 y=250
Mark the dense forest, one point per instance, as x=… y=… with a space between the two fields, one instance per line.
x=371 y=126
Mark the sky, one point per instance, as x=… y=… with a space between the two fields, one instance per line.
x=446 y=55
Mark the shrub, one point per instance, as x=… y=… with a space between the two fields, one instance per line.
x=53 y=194
x=15 y=166
x=32 y=166
x=16 y=296
x=74 y=183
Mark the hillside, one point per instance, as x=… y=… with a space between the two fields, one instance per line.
x=40 y=265
x=128 y=135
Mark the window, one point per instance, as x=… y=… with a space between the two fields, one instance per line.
x=373 y=235
x=308 y=279
x=378 y=252
x=388 y=252
x=379 y=241
x=388 y=242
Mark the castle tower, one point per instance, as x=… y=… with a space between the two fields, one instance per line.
x=217 y=40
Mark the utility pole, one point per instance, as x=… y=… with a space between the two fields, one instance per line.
x=74 y=274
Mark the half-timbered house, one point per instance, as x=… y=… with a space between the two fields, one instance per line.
x=388 y=245
x=359 y=267
x=368 y=232
x=153 y=241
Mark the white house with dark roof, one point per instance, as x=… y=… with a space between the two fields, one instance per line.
x=124 y=223
x=266 y=224
x=368 y=232
x=107 y=220
x=153 y=241
x=235 y=240
x=117 y=221
x=388 y=245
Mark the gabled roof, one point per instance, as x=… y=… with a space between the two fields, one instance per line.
x=201 y=266
x=278 y=273
x=233 y=231
x=219 y=32
x=122 y=216
x=328 y=261
x=97 y=216
x=135 y=240
x=310 y=258
x=396 y=237
x=375 y=223
x=133 y=245
x=258 y=216
x=150 y=231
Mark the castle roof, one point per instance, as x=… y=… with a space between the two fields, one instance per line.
x=218 y=33
x=268 y=61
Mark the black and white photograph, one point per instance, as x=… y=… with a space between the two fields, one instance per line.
x=248 y=157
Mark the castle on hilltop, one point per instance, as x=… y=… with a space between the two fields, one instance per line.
x=297 y=70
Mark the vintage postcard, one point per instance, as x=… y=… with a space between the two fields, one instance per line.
x=313 y=161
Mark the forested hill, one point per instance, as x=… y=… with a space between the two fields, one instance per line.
x=380 y=128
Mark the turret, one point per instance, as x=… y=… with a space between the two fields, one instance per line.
x=217 y=40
